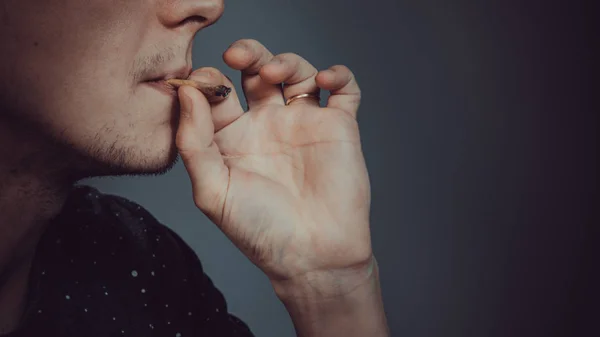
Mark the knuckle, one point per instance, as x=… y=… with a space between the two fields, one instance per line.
x=252 y=45
x=251 y=41
x=241 y=42
x=297 y=61
x=345 y=73
x=340 y=68
x=249 y=44
x=289 y=56
x=288 y=59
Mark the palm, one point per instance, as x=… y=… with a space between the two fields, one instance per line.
x=297 y=183
x=285 y=181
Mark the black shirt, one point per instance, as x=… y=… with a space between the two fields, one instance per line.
x=107 y=267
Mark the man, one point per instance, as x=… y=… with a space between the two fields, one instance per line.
x=83 y=94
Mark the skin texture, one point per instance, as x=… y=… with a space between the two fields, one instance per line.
x=76 y=103
x=76 y=75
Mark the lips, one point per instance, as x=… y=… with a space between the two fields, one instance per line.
x=163 y=87
x=182 y=73
x=157 y=80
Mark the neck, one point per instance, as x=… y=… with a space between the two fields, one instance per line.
x=27 y=204
x=32 y=192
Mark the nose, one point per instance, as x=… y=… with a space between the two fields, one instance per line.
x=197 y=13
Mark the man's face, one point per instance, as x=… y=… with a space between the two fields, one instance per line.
x=77 y=72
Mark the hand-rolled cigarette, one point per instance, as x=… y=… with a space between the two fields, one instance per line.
x=212 y=92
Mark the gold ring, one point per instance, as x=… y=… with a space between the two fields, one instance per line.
x=293 y=98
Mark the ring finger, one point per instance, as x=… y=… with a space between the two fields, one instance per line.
x=297 y=74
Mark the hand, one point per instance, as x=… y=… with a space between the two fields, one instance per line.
x=287 y=184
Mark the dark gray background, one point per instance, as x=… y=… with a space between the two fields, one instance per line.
x=482 y=151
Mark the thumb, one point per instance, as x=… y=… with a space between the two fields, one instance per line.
x=200 y=154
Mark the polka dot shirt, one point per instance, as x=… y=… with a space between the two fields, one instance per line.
x=106 y=267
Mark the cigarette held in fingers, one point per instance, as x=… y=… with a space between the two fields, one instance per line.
x=212 y=92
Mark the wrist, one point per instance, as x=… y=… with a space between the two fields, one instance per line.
x=326 y=284
x=341 y=303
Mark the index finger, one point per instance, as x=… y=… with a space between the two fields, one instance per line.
x=248 y=56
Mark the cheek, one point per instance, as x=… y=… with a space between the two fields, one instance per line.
x=87 y=110
x=88 y=44
x=79 y=110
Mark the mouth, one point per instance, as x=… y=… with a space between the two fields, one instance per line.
x=162 y=86
x=159 y=81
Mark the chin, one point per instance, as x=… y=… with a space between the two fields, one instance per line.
x=152 y=152
x=150 y=163
x=144 y=164
x=126 y=144
x=155 y=157
x=137 y=157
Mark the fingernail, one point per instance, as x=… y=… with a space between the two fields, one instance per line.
x=203 y=75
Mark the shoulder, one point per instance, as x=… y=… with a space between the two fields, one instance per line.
x=106 y=254
x=91 y=214
x=104 y=234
